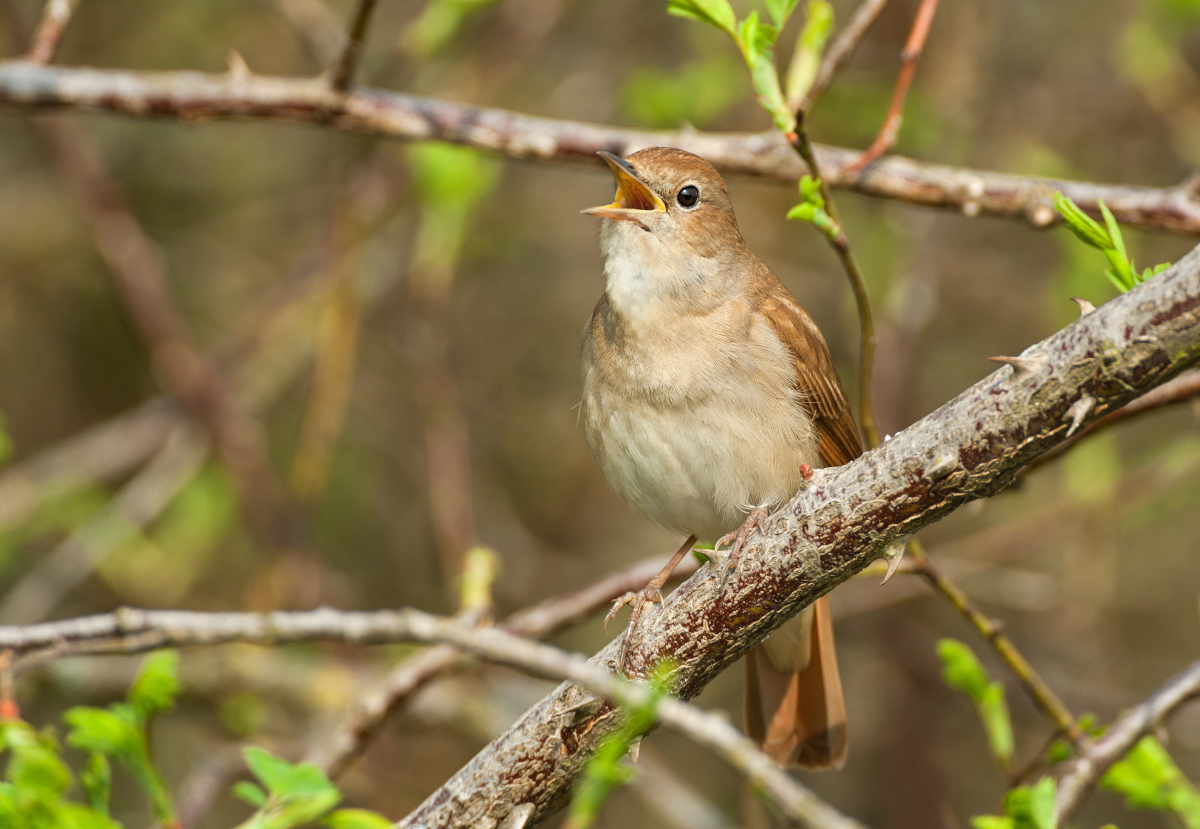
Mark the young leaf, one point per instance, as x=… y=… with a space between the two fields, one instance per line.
x=962 y=670
x=780 y=11
x=274 y=772
x=96 y=780
x=992 y=822
x=157 y=684
x=1041 y=803
x=247 y=791
x=809 y=49
x=993 y=710
x=356 y=819
x=1081 y=224
x=101 y=732
x=713 y=12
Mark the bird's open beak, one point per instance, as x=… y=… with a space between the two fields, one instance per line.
x=634 y=199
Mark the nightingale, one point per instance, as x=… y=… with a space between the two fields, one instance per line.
x=708 y=396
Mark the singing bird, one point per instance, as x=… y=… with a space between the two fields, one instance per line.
x=708 y=395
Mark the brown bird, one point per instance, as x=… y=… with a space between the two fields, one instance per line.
x=708 y=393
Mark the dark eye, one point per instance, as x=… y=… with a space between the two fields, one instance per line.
x=688 y=196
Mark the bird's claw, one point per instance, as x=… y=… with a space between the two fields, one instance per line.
x=738 y=539
x=647 y=595
x=638 y=601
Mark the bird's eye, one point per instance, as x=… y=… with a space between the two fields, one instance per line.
x=688 y=196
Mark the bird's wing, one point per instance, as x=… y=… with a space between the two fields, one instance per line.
x=816 y=378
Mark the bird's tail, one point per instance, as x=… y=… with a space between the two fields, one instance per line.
x=794 y=705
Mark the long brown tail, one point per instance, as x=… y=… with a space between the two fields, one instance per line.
x=794 y=705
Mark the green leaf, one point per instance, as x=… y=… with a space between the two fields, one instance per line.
x=810 y=47
x=770 y=97
x=713 y=12
x=1114 y=229
x=356 y=819
x=157 y=684
x=994 y=712
x=756 y=38
x=96 y=780
x=247 y=791
x=1041 y=803
x=992 y=822
x=962 y=670
x=101 y=732
x=284 y=778
x=1081 y=224
x=780 y=11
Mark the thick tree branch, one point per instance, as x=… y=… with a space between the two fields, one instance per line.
x=1085 y=770
x=970 y=448
x=193 y=96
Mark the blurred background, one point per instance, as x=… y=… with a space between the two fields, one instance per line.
x=403 y=323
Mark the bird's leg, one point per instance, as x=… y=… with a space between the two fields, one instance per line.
x=738 y=537
x=649 y=594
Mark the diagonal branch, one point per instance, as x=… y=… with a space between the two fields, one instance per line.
x=1083 y=771
x=886 y=138
x=970 y=448
x=343 y=72
x=842 y=50
x=192 y=96
x=55 y=18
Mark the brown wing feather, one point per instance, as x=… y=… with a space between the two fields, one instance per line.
x=816 y=378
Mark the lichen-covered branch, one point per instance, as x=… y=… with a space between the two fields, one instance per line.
x=195 y=97
x=970 y=448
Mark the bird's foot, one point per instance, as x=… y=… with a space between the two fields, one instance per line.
x=648 y=595
x=738 y=539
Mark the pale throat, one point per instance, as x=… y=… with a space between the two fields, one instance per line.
x=647 y=278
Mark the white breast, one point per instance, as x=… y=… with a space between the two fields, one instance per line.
x=696 y=421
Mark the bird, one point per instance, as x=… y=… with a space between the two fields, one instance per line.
x=709 y=394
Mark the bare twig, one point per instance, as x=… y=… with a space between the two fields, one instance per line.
x=1041 y=693
x=862 y=299
x=140 y=277
x=352 y=736
x=842 y=50
x=194 y=96
x=55 y=18
x=908 y=67
x=141 y=630
x=99 y=454
x=968 y=449
x=138 y=503
x=1086 y=769
x=343 y=72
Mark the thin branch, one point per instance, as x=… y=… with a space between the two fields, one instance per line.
x=1041 y=693
x=55 y=18
x=191 y=97
x=842 y=50
x=862 y=299
x=968 y=449
x=139 y=275
x=360 y=726
x=886 y=138
x=139 y=503
x=343 y=72
x=142 y=630
x=1086 y=769
x=99 y=454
